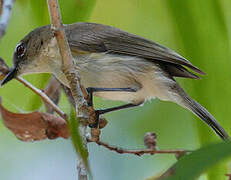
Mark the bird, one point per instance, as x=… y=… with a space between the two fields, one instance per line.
x=112 y=64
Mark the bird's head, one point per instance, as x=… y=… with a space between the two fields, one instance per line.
x=32 y=53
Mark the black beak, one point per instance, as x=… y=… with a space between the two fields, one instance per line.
x=9 y=76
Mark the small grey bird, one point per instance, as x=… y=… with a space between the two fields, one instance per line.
x=112 y=64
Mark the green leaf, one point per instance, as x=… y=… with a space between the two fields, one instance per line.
x=77 y=139
x=193 y=165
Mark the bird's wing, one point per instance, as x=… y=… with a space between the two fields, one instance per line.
x=93 y=37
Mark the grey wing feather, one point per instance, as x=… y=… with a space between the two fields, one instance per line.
x=178 y=71
x=101 y=38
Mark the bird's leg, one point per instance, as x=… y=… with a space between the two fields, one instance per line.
x=103 y=111
x=91 y=90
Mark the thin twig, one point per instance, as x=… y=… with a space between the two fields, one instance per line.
x=5 y=17
x=137 y=152
x=71 y=75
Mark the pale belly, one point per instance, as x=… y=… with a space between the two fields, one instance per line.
x=109 y=71
x=131 y=97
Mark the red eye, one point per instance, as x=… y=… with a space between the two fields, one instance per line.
x=20 y=50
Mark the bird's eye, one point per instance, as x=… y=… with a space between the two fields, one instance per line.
x=20 y=50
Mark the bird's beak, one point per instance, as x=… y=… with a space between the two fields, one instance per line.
x=9 y=76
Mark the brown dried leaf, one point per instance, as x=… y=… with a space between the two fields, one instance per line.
x=34 y=126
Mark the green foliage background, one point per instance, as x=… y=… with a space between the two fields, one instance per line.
x=198 y=30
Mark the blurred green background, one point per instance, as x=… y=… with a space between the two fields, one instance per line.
x=198 y=30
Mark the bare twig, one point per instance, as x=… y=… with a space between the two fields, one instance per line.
x=5 y=16
x=137 y=152
x=68 y=65
x=71 y=75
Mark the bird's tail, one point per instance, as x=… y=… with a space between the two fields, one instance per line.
x=184 y=100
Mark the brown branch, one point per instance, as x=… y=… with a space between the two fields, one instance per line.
x=67 y=62
x=5 y=16
x=71 y=75
x=138 y=152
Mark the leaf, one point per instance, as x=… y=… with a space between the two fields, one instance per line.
x=77 y=139
x=34 y=126
x=193 y=165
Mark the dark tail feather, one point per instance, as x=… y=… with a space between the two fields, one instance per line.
x=202 y=113
x=179 y=96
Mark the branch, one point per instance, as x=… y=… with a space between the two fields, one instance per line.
x=5 y=17
x=71 y=75
x=138 y=152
